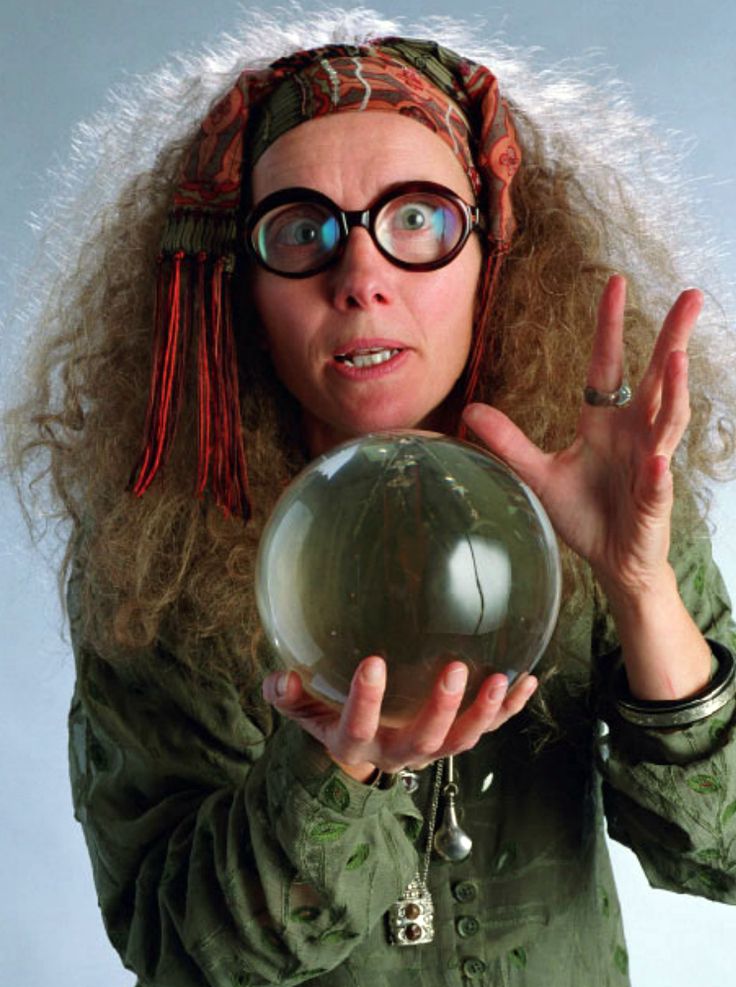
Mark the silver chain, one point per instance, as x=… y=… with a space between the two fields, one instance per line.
x=432 y=820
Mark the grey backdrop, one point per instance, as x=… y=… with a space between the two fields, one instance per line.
x=56 y=61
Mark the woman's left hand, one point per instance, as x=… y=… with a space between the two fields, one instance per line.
x=609 y=495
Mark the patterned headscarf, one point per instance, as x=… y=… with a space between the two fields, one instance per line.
x=457 y=99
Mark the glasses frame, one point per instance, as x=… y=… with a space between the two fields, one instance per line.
x=366 y=218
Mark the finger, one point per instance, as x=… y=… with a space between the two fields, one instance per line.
x=516 y=698
x=674 y=335
x=361 y=713
x=674 y=412
x=431 y=725
x=478 y=718
x=281 y=688
x=508 y=442
x=285 y=691
x=606 y=367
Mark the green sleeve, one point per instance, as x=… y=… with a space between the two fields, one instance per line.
x=226 y=849
x=670 y=795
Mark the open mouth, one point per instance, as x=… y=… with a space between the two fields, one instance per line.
x=370 y=357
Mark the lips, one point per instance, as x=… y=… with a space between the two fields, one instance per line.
x=368 y=357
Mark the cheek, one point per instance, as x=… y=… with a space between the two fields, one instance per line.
x=455 y=296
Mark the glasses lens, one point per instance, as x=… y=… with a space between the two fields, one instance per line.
x=296 y=237
x=420 y=227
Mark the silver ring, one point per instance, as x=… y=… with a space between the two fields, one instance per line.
x=608 y=399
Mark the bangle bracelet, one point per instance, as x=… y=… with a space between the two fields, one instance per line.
x=680 y=712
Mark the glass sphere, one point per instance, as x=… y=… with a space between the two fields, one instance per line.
x=413 y=546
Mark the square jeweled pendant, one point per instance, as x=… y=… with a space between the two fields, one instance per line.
x=411 y=918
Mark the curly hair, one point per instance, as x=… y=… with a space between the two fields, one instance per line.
x=595 y=195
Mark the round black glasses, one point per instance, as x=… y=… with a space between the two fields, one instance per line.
x=419 y=226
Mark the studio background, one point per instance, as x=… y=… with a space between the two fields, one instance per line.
x=57 y=59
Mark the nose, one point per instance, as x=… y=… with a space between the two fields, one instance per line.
x=362 y=276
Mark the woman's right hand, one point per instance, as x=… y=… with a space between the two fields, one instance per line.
x=355 y=739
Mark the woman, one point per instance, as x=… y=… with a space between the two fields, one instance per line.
x=232 y=844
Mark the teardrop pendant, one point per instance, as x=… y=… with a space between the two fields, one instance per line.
x=450 y=840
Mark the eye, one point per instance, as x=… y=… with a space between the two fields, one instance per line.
x=413 y=216
x=296 y=237
x=295 y=231
x=419 y=227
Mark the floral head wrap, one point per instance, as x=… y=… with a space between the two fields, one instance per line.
x=457 y=99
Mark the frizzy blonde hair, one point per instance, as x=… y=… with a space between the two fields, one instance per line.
x=170 y=568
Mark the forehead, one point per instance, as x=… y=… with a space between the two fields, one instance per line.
x=353 y=156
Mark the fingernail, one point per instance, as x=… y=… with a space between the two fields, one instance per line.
x=497 y=690
x=471 y=413
x=282 y=684
x=455 y=679
x=372 y=672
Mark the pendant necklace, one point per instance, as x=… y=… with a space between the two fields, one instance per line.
x=411 y=918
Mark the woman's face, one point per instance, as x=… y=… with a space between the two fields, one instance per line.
x=363 y=301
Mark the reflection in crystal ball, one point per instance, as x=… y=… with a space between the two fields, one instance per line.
x=413 y=546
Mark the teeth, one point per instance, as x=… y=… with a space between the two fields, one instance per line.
x=367 y=358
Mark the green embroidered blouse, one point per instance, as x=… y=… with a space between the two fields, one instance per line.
x=228 y=849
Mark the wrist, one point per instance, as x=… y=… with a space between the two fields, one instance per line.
x=674 y=714
x=364 y=772
x=635 y=597
x=665 y=655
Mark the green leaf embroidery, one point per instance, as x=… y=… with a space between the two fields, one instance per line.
x=518 y=957
x=336 y=935
x=335 y=795
x=326 y=831
x=699 y=579
x=604 y=901
x=710 y=854
x=704 y=784
x=621 y=960
x=305 y=913
x=358 y=857
x=413 y=828
x=728 y=812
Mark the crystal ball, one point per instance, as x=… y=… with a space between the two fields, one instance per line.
x=413 y=546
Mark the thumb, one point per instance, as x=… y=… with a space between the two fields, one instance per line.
x=654 y=487
x=508 y=442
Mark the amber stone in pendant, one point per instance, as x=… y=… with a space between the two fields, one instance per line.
x=412 y=911
x=413 y=932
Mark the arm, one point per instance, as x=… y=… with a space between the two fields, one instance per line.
x=610 y=494
x=225 y=849
x=670 y=795
x=610 y=497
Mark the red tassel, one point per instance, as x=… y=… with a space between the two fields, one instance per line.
x=221 y=454
x=204 y=381
x=167 y=374
x=221 y=449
